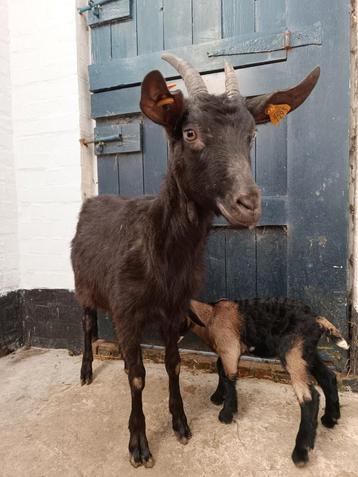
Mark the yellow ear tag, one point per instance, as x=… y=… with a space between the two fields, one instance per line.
x=164 y=101
x=277 y=112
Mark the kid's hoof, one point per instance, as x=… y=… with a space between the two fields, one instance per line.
x=328 y=421
x=217 y=399
x=300 y=457
x=86 y=373
x=225 y=417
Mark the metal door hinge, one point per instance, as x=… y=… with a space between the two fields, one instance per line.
x=116 y=139
x=285 y=40
x=93 y=7
x=99 y=12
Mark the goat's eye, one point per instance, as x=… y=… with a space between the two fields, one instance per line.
x=189 y=135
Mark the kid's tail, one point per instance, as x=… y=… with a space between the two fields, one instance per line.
x=332 y=332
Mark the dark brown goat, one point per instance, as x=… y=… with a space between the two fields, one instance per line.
x=274 y=327
x=140 y=259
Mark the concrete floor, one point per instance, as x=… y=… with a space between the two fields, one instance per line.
x=51 y=426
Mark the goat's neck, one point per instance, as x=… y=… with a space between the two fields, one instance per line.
x=181 y=226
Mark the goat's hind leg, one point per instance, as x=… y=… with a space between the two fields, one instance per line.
x=308 y=398
x=89 y=325
x=328 y=382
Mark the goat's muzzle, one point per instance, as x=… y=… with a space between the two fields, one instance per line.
x=242 y=209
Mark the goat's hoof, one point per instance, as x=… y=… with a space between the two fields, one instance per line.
x=183 y=439
x=300 y=456
x=86 y=381
x=225 y=417
x=138 y=458
x=328 y=421
x=217 y=399
x=183 y=433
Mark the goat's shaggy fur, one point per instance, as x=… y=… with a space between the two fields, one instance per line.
x=275 y=327
x=140 y=259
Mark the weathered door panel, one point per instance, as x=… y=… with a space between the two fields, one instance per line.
x=300 y=247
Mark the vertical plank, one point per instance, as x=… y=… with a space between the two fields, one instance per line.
x=271 y=159
x=240 y=264
x=130 y=174
x=105 y=326
x=215 y=266
x=206 y=20
x=238 y=17
x=149 y=26
x=177 y=24
x=271 y=256
x=101 y=44
x=107 y=167
x=124 y=36
x=154 y=156
x=270 y=15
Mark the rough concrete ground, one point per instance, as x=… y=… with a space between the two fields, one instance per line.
x=51 y=426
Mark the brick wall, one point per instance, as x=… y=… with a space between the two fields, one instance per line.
x=48 y=82
x=9 y=259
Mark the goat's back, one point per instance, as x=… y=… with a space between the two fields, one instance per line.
x=268 y=320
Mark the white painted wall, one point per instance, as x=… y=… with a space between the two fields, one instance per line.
x=9 y=259
x=50 y=112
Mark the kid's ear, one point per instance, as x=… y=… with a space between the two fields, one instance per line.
x=158 y=103
x=275 y=106
x=194 y=318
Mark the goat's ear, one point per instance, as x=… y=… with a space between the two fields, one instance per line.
x=194 y=318
x=275 y=106
x=158 y=103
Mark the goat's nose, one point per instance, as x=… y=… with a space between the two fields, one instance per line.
x=250 y=199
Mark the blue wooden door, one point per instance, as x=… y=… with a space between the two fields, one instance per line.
x=300 y=246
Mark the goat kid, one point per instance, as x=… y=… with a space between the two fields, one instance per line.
x=274 y=327
x=140 y=258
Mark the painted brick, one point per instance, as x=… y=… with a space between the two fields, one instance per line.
x=9 y=257
x=44 y=109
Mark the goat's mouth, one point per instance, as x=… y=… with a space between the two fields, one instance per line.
x=240 y=214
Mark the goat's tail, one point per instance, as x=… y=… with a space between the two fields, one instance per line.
x=332 y=332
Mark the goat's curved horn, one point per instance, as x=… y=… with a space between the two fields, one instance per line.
x=193 y=81
x=231 y=82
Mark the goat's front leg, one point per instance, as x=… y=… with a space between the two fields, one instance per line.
x=218 y=396
x=226 y=414
x=89 y=325
x=138 y=444
x=172 y=365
